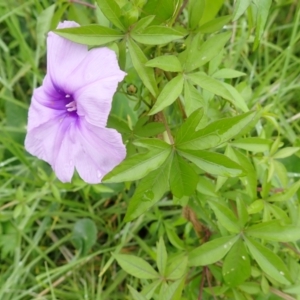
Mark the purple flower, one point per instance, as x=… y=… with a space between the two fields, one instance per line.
x=68 y=113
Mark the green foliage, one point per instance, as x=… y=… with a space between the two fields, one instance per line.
x=206 y=203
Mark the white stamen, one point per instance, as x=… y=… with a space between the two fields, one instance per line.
x=71 y=106
x=67 y=96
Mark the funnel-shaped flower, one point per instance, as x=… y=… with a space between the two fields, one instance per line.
x=68 y=113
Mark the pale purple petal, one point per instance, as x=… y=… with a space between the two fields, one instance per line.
x=46 y=104
x=98 y=64
x=63 y=56
x=72 y=142
x=94 y=83
x=45 y=141
x=102 y=150
x=94 y=101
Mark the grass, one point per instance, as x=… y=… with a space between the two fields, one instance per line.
x=37 y=213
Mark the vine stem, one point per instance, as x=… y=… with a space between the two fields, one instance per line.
x=163 y=118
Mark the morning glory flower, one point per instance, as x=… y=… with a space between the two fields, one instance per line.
x=68 y=113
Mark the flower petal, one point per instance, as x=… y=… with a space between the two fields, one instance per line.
x=46 y=104
x=94 y=101
x=94 y=83
x=102 y=150
x=53 y=142
x=98 y=64
x=73 y=142
x=63 y=56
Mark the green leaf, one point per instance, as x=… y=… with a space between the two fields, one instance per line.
x=161 y=256
x=189 y=125
x=142 y=23
x=227 y=73
x=157 y=35
x=211 y=251
x=242 y=212
x=152 y=143
x=44 y=24
x=199 y=54
x=149 y=289
x=211 y=10
x=149 y=191
x=225 y=216
x=84 y=235
x=167 y=63
x=215 y=24
x=250 y=180
x=168 y=95
x=135 y=266
x=285 y=196
x=214 y=134
x=138 y=166
x=219 y=88
x=177 y=267
x=163 y=10
x=236 y=267
x=183 y=178
x=255 y=207
x=135 y=294
x=138 y=60
x=149 y=129
x=274 y=231
x=192 y=98
x=172 y=291
x=173 y=237
x=253 y=144
x=269 y=262
x=112 y=12
x=286 y=152
x=213 y=163
x=262 y=13
x=195 y=11
x=91 y=35
x=240 y=7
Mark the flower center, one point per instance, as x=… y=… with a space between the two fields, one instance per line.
x=71 y=106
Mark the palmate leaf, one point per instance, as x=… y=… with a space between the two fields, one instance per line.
x=157 y=35
x=138 y=166
x=236 y=267
x=215 y=24
x=146 y=73
x=219 y=88
x=213 y=163
x=135 y=294
x=274 y=231
x=225 y=216
x=214 y=134
x=161 y=256
x=149 y=191
x=193 y=100
x=198 y=54
x=136 y=266
x=162 y=10
x=112 y=12
x=211 y=251
x=183 y=178
x=269 y=262
x=169 y=94
x=142 y=24
x=195 y=11
x=91 y=35
x=167 y=63
x=250 y=180
x=189 y=125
